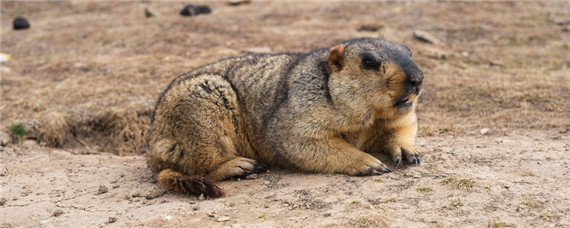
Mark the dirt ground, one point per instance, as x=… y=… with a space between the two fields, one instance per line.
x=494 y=114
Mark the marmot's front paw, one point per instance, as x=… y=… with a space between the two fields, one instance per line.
x=408 y=151
x=365 y=164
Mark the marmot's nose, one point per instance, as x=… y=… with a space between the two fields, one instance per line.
x=415 y=78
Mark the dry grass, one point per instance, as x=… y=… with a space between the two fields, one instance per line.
x=88 y=73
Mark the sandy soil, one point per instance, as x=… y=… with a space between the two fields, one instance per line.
x=515 y=180
x=83 y=80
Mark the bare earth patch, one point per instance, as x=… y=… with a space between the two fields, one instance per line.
x=83 y=80
x=518 y=180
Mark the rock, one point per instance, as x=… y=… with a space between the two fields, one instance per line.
x=426 y=37
x=150 y=13
x=155 y=193
x=561 y=21
x=193 y=10
x=238 y=2
x=496 y=63
x=20 y=23
x=434 y=53
x=57 y=213
x=566 y=29
x=28 y=143
x=112 y=220
x=222 y=219
x=370 y=28
x=5 y=139
x=252 y=176
x=3 y=201
x=102 y=190
x=256 y=50
x=201 y=197
x=484 y=131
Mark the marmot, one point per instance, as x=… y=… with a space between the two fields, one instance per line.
x=321 y=111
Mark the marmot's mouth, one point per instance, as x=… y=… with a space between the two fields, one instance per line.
x=407 y=102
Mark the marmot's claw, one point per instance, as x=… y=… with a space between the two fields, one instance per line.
x=398 y=161
x=386 y=170
x=376 y=172
x=260 y=167
x=246 y=172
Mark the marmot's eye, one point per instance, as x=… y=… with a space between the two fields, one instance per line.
x=370 y=63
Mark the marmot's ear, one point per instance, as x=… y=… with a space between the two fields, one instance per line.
x=336 y=58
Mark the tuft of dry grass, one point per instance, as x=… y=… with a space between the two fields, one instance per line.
x=55 y=130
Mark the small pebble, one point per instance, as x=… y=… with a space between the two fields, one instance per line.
x=426 y=37
x=222 y=219
x=102 y=190
x=112 y=220
x=57 y=213
x=252 y=176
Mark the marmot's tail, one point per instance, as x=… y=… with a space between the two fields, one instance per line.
x=194 y=185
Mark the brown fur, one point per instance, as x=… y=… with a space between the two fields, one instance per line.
x=322 y=111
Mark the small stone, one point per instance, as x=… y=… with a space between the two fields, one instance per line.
x=222 y=219
x=155 y=194
x=561 y=21
x=484 y=131
x=496 y=63
x=3 y=201
x=20 y=23
x=370 y=27
x=327 y=214
x=426 y=37
x=256 y=50
x=211 y=214
x=193 y=10
x=238 y=2
x=149 y=13
x=5 y=139
x=252 y=176
x=196 y=207
x=112 y=220
x=201 y=197
x=464 y=54
x=566 y=29
x=102 y=190
x=434 y=53
x=57 y=213
x=28 y=143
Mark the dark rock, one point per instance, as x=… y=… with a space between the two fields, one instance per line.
x=193 y=10
x=21 y=23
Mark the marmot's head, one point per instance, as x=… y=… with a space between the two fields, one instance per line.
x=374 y=73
